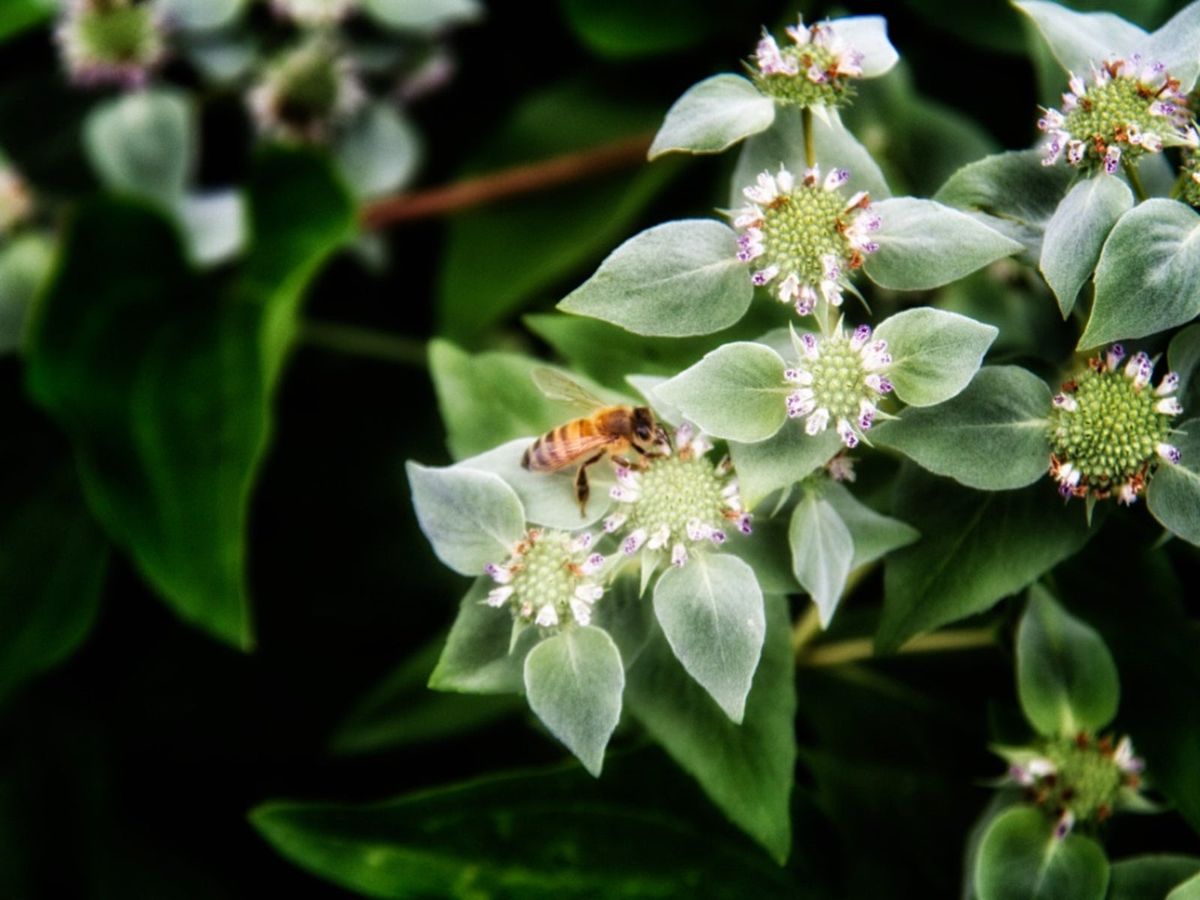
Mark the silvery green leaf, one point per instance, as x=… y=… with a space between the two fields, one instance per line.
x=1077 y=231
x=673 y=280
x=574 y=682
x=1066 y=678
x=1078 y=40
x=935 y=354
x=868 y=35
x=1011 y=192
x=712 y=116
x=1174 y=493
x=224 y=57
x=923 y=245
x=24 y=265
x=1020 y=858
x=379 y=151
x=1174 y=45
x=736 y=392
x=992 y=436
x=214 y=226
x=647 y=386
x=711 y=611
x=548 y=498
x=1148 y=278
x=471 y=518
x=200 y=15
x=422 y=15
x=783 y=144
x=1187 y=890
x=479 y=656
x=874 y=535
x=781 y=460
x=822 y=552
x=143 y=143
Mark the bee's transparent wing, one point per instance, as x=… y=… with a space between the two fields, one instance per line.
x=557 y=386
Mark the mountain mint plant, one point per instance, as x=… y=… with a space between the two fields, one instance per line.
x=897 y=377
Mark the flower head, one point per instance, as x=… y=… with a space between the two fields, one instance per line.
x=306 y=93
x=678 y=502
x=839 y=380
x=549 y=579
x=313 y=12
x=805 y=236
x=813 y=68
x=16 y=203
x=1190 y=178
x=116 y=42
x=1077 y=780
x=1131 y=108
x=1109 y=428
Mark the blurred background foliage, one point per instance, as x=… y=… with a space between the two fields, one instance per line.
x=229 y=438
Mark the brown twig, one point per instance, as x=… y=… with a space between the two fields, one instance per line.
x=521 y=179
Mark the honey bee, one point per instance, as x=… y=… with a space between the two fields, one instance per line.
x=608 y=430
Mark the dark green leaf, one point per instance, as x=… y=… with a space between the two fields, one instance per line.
x=20 y=15
x=1150 y=876
x=1174 y=493
x=1021 y=859
x=163 y=380
x=975 y=549
x=746 y=769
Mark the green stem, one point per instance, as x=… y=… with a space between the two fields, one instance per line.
x=1135 y=180
x=810 y=150
x=355 y=341
x=841 y=653
x=1177 y=187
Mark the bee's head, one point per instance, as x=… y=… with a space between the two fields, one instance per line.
x=644 y=426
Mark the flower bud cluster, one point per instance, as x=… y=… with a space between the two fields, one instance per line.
x=1131 y=108
x=677 y=502
x=804 y=235
x=549 y=579
x=306 y=93
x=814 y=69
x=1109 y=427
x=111 y=42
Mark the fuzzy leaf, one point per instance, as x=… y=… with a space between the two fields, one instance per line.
x=935 y=354
x=672 y=280
x=200 y=15
x=214 y=226
x=736 y=392
x=1174 y=45
x=874 y=535
x=574 y=682
x=379 y=151
x=782 y=460
x=471 y=518
x=1150 y=875
x=25 y=263
x=923 y=245
x=711 y=611
x=1174 y=493
x=1012 y=192
x=143 y=143
x=868 y=35
x=1077 y=231
x=1188 y=890
x=1021 y=859
x=548 y=498
x=1183 y=355
x=425 y=16
x=1148 y=278
x=746 y=769
x=822 y=552
x=1066 y=678
x=1002 y=415
x=975 y=549
x=783 y=144
x=712 y=116
x=1078 y=40
x=480 y=656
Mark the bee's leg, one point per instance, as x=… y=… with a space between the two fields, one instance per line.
x=582 y=489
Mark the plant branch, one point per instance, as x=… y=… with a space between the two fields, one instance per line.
x=1135 y=180
x=810 y=150
x=841 y=653
x=355 y=341
x=522 y=179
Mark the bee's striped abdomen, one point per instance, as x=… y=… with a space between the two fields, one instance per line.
x=558 y=447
